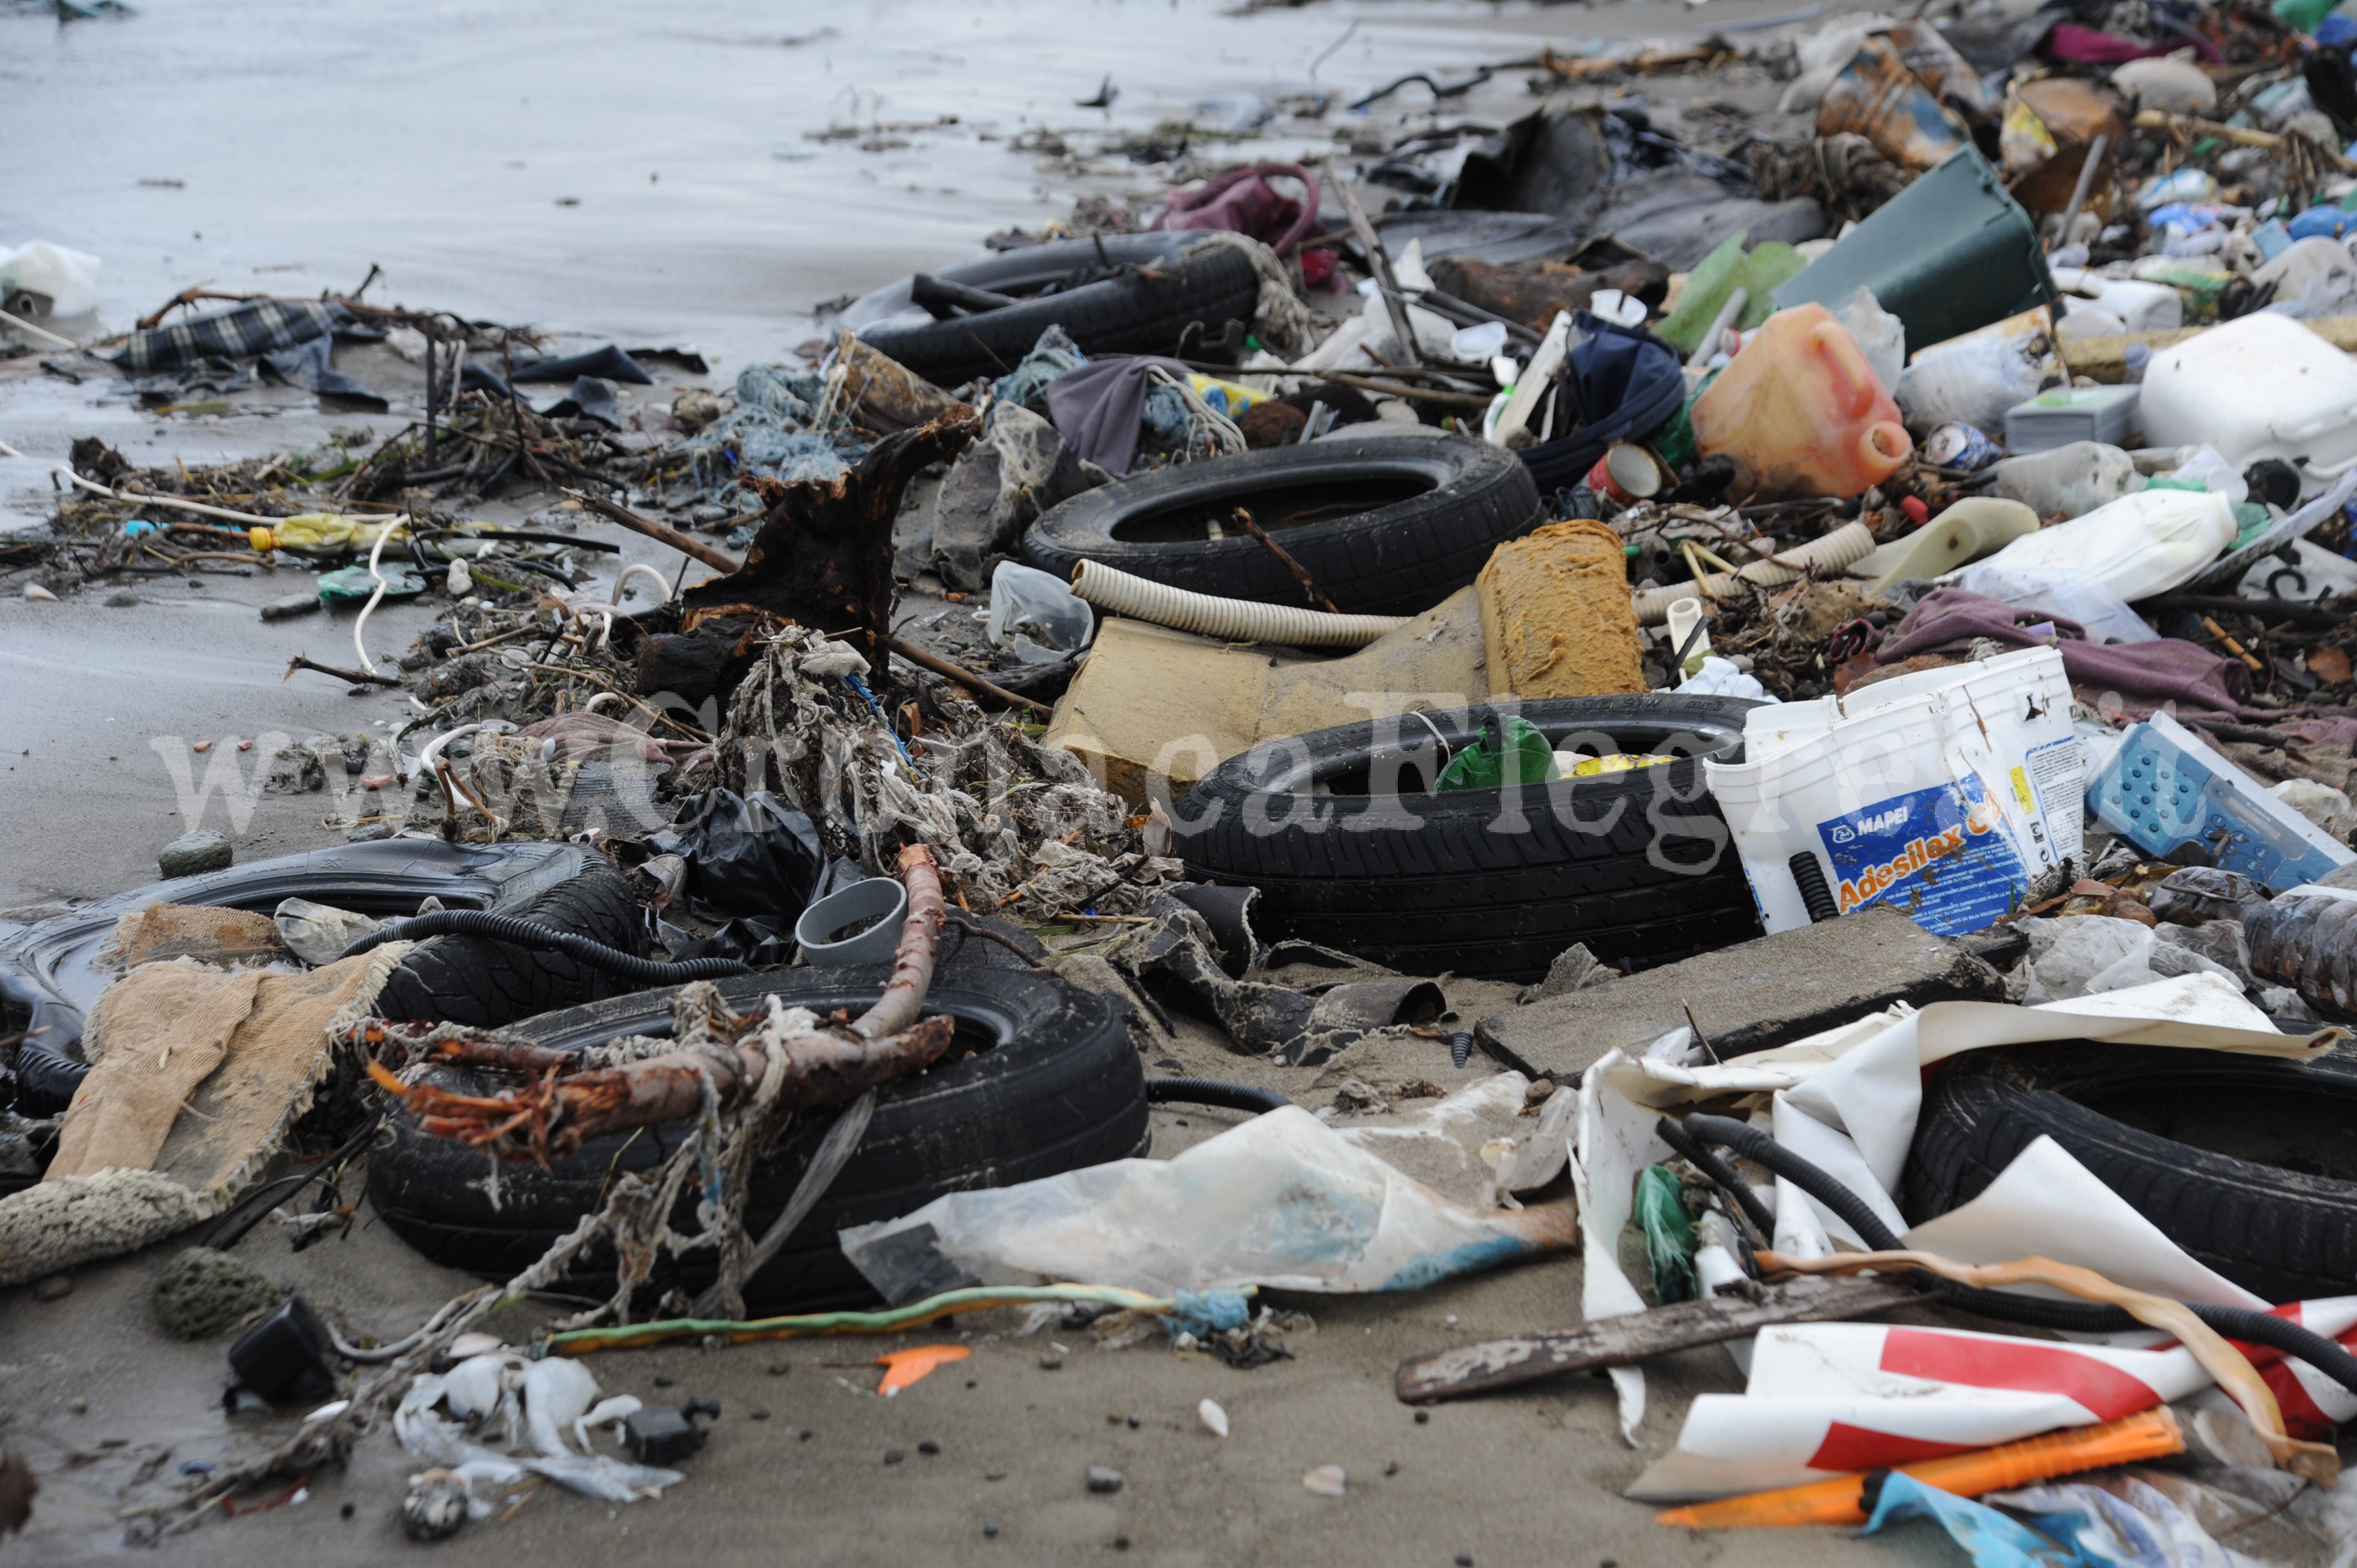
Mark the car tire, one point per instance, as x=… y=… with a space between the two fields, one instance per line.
x=1639 y=866
x=1058 y=1088
x=2246 y=1163
x=49 y=979
x=1426 y=513
x=1177 y=294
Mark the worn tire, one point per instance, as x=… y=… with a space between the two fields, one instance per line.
x=1434 y=507
x=48 y=983
x=2250 y=1165
x=1639 y=866
x=1191 y=303
x=1059 y=1089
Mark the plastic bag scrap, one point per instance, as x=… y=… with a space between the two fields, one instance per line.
x=1848 y=1100
x=750 y=855
x=773 y=431
x=2137 y=1525
x=540 y=1398
x=1993 y=1540
x=1283 y=1201
x=1261 y=1019
x=1828 y=1398
x=1509 y=751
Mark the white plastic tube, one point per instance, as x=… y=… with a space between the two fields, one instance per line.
x=1117 y=592
x=1845 y=546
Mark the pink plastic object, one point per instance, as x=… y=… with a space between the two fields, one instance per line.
x=1800 y=411
x=1243 y=202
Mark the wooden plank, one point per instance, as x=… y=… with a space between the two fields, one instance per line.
x=1616 y=1341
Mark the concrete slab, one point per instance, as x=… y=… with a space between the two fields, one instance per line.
x=1746 y=998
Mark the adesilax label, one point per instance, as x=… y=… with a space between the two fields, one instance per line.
x=1941 y=855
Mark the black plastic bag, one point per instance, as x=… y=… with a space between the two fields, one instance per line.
x=754 y=855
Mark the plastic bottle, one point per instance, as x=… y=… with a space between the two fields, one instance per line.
x=2140 y=306
x=2259 y=386
x=1025 y=598
x=2136 y=546
x=2071 y=481
x=1974 y=380
x=322 y=531
x=1800 y=412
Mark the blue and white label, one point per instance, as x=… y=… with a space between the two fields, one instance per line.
x=1942 y=856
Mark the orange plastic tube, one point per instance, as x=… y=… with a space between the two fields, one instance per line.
x=2148 y=1435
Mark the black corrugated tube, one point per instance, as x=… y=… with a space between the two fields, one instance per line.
x=1211 y=1091
x=2084 y=1316
x=525 y=934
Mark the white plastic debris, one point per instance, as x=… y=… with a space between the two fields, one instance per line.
x=1214 y=1419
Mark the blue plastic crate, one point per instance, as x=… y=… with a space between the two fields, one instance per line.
x=2163 y=787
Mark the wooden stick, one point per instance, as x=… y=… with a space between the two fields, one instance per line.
x=1274 y=548
x=1379 y=261
x=960 y=674
x=357 y=677
x=662 y=533
x=2161 y=120
x=1496 y=1364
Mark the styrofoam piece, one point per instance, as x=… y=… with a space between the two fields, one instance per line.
x=2165 y=787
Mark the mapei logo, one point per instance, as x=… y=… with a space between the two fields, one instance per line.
x=1846 y=833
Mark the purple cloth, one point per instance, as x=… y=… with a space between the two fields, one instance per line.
x=2069 y=43
x=2136 y=677
x=1242 y=200
x=1096 y=408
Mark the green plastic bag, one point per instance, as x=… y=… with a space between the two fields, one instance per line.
x=350 y=584
x=1670 y=1240
x=1514 y=752
x=2303 y=16
x=1763 y=271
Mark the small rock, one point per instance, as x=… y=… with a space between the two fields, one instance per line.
x=806 y=1434
x=121 y=601
x=52 y=1286
x=1464 y=1560
x=1050 y=1363
x=1424 y=1418
x=79 y=1405
x=1326 y=1481
x=436 y=1507
x=347 y=1510
x=989 y=1530
x=368 y=833
x=1132 y=1424
x=759 y=1413
x=929 y=1447
x=193 y=852
x=1103 y=1478
x=40 y=595
x=1214 y=1419
x=662 y=1382
x=1121 y=1543
x=994 y=1474
x=1391 y=1466
x=893 y=1455
x=114 y=1443
x=779 y=1368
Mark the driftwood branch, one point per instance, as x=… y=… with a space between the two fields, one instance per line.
x=758 y=1065
x=1496 y=1364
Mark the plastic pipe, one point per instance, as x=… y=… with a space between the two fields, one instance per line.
x=1845 y=546
x=1117 y=592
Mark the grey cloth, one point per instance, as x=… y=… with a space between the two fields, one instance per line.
x=1098 y=406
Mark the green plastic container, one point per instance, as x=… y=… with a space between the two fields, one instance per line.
x=1951 y=252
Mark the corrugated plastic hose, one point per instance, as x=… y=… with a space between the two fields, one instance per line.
x=1845 y=546
x=527 y=934
x=2084 y=1317
x=1117 y=592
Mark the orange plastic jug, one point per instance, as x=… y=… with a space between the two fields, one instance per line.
x=1801 y=413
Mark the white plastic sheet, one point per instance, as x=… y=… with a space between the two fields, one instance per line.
x=1281 y=1201
x=1848 y=1098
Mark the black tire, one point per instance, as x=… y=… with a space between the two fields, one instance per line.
x=2249 y=1164
x=1639 y=866
x=1057 y=1089
x=1426 y=512
x=1188 y=305
x=48 y=980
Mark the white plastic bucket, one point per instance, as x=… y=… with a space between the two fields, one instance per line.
x=1944 y=793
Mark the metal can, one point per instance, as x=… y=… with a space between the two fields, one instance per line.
x=1960 y=445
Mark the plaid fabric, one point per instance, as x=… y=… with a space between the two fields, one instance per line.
x=257 y=326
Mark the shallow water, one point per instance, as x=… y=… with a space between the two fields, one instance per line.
x=309 y=141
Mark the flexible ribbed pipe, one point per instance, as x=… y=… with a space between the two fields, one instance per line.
x=1117 y=592
x=1845 y=546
